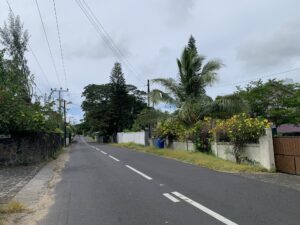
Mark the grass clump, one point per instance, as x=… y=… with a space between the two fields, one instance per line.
x=12 y=207
x=196 y=158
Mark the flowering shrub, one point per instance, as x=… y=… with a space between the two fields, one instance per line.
x=241 y=129
x=171 y=128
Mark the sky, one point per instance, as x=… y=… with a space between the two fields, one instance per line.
x=253 y=39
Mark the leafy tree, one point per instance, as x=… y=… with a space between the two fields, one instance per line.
x=14 y=39
x=113 y=107
x=148 y=116
x=275 y=100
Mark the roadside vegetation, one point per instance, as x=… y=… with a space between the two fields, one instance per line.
x=12 y=207
x=196 y=158
x=239 y=118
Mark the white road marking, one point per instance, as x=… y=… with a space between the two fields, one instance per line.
x=204 y=209
x=103 y=152
x=173 y=199
x=139 y=172
x=114 y=158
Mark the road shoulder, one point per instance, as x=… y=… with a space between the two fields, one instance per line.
x=38 y=194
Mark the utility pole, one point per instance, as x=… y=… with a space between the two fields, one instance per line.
x=148 y=85
x=65 y=124
x=148 y=91
x=59 y=97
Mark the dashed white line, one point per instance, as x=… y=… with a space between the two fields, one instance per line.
x=170 y=197
x=204 y=209
x=139 y=172
x=114 y=158
x=103 y=152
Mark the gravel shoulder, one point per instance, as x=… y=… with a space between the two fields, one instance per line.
x=13 y=179
x=281 y=179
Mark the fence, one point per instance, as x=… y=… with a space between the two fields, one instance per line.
x=28 y=148
x=262 y=153
x=287 y=154
x=135 y=137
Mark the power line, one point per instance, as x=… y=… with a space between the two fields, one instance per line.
x=60 y=45
x=260 y=77
x=108 y=36
x=48 y=44
x=39 y=65
x=33 y=54
x=105 y=36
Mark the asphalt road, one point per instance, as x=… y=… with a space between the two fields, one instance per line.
x=106 y=185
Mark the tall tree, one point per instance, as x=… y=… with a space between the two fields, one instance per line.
x=113 y=107
x=15 y=40
x=275 y=100
x=192 y=45
x=189 y=94
x=119 y=99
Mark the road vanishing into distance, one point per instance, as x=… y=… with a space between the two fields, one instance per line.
x=107 y=185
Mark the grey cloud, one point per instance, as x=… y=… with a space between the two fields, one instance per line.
x=278 y=49
x=179 y=11
x=98 y=50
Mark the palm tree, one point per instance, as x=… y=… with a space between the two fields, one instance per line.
x=188 y=93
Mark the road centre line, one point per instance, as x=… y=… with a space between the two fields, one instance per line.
x=204 y=209
x=139 y=172
x=114 y=158
x=103 y=152
x=170 y=197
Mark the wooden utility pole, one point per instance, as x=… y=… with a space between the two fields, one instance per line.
x=148 y=91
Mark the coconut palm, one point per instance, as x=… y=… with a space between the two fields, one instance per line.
x=188 y=92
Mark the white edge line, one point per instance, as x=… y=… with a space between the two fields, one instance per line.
x=114 y=158
x=170 y=197
x=103 y=152
x=138 y=172
x=204 y=209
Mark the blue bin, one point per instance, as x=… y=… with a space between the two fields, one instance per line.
x=160 y=143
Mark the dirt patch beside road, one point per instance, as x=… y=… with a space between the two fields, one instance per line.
x=41 y=193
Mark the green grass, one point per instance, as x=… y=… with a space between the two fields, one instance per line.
x=196 y=158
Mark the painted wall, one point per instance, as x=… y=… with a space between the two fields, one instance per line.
x=135 y=137
x=263 y=152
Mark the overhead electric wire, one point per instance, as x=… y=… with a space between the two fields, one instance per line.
x=48 y=44
x=260 y=77
x=60 y=44
x=110 y=39
x=34 y=55
x=105 y=36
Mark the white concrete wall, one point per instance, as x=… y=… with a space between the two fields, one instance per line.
x=263 y=153
x=135 y=137
x=185 y=146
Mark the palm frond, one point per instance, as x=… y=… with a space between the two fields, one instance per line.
x=157 y=96
x=209 y=71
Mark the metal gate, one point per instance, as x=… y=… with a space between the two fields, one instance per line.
x=287 y=154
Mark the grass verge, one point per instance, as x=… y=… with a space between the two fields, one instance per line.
x=196 y=158
x=12 y=207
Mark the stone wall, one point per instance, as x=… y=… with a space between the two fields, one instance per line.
x=25 y=149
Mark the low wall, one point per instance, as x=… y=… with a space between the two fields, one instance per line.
x=135 y=137
x=184 y=146
x=23 y=149
x=263 y=152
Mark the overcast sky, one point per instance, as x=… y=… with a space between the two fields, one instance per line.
x=253 y=38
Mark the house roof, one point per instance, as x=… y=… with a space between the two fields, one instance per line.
x=288 y=128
